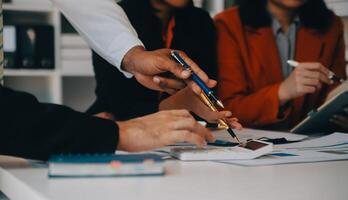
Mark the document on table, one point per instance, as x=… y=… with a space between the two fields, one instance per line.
x=246 y=134
x=334 y=139
x=294 y=156
x=328 y=148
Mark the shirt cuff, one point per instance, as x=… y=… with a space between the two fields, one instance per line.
x=119 y=47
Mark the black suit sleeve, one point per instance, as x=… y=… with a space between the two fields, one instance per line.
x=195 y=34
x=35 y=130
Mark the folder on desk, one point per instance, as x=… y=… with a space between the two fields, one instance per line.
x=318 y=121
x=105 y=165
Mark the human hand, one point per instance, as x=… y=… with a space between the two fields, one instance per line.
x=186 y=99
x=105 y=115
x=341 y=120
x=307 y=78
x=161 y=129
x=234 y=123
x=146 y=66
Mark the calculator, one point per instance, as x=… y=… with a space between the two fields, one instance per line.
x=250 y=150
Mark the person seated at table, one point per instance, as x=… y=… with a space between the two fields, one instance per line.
x=255 y=40
x=174 y=24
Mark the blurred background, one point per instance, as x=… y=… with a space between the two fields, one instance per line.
x=57 y=68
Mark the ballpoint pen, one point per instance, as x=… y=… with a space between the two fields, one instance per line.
x=222 y=122
x=175 y=55
x=332 y=75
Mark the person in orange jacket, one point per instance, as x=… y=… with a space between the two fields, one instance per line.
x=255 y=40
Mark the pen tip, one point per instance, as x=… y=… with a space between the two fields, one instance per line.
x=219 y=103
x=230 y=131
x=239 y=141
x=292 y=63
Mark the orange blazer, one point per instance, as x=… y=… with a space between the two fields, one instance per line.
x=250 y=69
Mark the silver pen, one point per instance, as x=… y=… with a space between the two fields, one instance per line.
x=332 y=76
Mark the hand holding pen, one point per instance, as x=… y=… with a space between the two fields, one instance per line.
x=332 y=76
x=172 y=85
x=196 y=78
x=222 y=122
x=188 y=100
x=306 y=78
x=207 y=95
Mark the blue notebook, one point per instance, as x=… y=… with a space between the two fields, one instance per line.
x=105 y=165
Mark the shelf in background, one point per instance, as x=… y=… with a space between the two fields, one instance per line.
x=77 y=74
x=47 y=7
x=77 y=67
x=29 y=72
x=339 y=7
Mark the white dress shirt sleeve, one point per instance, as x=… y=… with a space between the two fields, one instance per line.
x=104 y=25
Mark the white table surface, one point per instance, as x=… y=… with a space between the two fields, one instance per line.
x=189 y=180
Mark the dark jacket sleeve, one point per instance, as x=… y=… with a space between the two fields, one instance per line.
x=35 y=130
x=135 y=101
x=195 y=34
x=205 y=52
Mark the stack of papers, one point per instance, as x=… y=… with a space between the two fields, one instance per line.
x=244 y=135
x=330 y=141
x=328 y=148
x=247 y=134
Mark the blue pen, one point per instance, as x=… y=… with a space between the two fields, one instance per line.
x=175 y=55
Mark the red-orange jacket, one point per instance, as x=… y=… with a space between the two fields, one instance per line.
x=250 y=72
